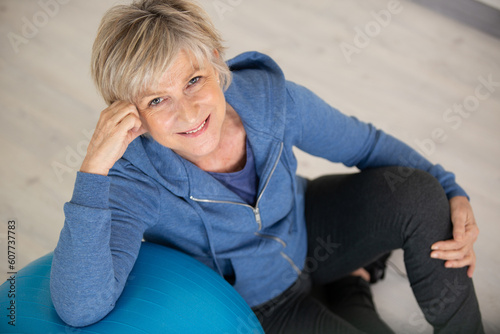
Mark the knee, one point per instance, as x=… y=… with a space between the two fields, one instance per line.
x=429 y=192
x=401 y=179
x=416 y=189
x=421 y=196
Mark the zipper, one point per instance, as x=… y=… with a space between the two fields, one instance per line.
x=256 y=212
x=255 y=208
x=272 y=237
x=297 y=270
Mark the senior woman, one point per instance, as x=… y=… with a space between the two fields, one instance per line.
x=196 y=154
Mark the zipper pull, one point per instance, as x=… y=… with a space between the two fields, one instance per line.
x=257 y=217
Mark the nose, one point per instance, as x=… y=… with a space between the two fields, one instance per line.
x=188 y=111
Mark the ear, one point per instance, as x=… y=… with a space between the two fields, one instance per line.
x=216 y=53
x=217 y=74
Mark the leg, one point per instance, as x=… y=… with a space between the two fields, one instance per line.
x=365 y=218
x=351 y=299
x=296 y=312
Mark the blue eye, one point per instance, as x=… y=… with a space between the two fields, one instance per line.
x=193 y=81
x=156 y=101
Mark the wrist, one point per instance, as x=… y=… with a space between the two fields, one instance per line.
x=90 y=168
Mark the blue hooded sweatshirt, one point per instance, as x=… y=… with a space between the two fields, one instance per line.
x=153 y=193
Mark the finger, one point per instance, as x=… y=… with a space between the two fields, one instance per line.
x=470 y=270
x=123 y=111
x=127 y=124
x=449 y=244
x=138 y=129
x=472 y=231
x=109 y=123
x=110 y=112
x=132 y=127
x=472 y=267
x=466 y=261
x=458 y=219
x=471 y=234
x=451 y=255
x=110 y=141
x=452 y=244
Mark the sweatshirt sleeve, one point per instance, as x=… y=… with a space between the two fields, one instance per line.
x=98 y=245
x=325 y=132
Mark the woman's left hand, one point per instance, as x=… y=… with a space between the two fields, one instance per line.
x=458 y=252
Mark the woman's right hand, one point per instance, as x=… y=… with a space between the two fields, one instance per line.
x=118 y=126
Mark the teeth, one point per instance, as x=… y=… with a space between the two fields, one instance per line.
x=196 y=130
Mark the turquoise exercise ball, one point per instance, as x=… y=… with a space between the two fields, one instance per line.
x=166 y=292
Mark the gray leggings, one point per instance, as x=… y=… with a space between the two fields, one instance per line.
x=361 y=217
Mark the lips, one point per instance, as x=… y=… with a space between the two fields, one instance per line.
x=198 y=130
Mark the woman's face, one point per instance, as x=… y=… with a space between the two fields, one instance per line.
x=187 y=110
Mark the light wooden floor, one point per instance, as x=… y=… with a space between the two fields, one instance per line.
x=403 y=81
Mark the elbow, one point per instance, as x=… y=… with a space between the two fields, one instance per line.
x=79 y=316
x=80 y=310
x=75 y=319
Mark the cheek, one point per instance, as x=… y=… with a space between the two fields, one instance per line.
x=158 y=122
x=212 y=96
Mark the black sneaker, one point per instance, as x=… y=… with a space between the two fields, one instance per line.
x=377 y=268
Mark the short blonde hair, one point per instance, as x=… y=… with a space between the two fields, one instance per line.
x=136 y=44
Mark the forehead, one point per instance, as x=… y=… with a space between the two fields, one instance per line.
x=184 y=65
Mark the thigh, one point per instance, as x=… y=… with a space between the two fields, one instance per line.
x=354 y=218
x=308 y=316
x=296 y=311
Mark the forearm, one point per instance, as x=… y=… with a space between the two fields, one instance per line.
x=324 y=131
x=83 y=284
x=389 y=151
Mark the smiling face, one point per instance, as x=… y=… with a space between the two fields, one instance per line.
x=187 y=109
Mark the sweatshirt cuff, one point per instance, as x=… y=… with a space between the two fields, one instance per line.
x=91 y=190
x=457 y=192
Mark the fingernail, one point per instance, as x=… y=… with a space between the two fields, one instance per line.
x=448 y=265
x=434 y=247
x=434 y=255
